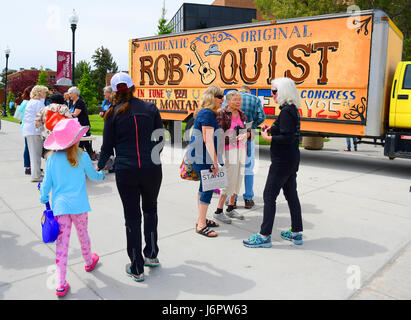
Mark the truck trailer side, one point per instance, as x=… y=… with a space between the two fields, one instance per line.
x=343 y=65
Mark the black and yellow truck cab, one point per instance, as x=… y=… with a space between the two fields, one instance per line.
x=398 y=138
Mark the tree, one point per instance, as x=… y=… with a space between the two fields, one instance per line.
x=104 y=63
x=10 y=96
x=284 y=9
x=78 y=70
x=406 y=53
x=3 y=76
x=88 y=90
x=18 y=85
x=399 y=11
x=164 y=27
x=43 y=78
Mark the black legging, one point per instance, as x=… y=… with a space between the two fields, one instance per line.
x=281 y=178
x=131 y=185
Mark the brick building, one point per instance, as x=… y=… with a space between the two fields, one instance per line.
x=18 y=81
x=2 y=102
x=29 y=74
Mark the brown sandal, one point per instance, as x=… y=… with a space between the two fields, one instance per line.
x=206 y=231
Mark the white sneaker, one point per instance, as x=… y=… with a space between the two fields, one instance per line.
x=234 y=214
x=222 y=217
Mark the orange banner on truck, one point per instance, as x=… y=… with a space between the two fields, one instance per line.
x=327 y=58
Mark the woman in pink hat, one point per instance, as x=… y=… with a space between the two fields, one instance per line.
x=66 y=169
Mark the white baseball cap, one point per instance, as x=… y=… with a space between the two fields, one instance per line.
x=121 y=78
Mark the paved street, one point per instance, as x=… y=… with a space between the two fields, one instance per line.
x=356 y=215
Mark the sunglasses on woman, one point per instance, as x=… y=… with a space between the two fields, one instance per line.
x=220 y=96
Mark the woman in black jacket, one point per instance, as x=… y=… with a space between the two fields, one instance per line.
x=285 y=159
x=128 y=128
x=80 y=112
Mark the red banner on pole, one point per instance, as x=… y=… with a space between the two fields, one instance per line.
x=63 y=77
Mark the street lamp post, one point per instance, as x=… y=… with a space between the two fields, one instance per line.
x=7 y=52
x=73 y=19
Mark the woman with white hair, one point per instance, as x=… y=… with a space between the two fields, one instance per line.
x=106 y=104
x=285 y=158
x=79 y=110
x=232 y=121
x=31 y=133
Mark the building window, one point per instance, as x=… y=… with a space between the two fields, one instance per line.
x=204 y=11
x=190 y=10
x=197 y=16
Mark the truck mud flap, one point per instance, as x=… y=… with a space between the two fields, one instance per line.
x=398 y=145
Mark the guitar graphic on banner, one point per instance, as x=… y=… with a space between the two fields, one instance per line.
x=207 y=73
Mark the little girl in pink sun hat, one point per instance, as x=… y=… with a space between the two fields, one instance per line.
x=65 y=176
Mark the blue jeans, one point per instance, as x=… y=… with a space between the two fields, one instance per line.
x=249 y=171
x=349 y=143
x=205 y=196
x=26 y=155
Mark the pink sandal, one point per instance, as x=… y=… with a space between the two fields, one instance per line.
x=62 y=290
x=95 y=258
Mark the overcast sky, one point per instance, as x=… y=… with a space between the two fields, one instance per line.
x=35 y=30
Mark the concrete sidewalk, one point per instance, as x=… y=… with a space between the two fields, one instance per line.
x=356 y=215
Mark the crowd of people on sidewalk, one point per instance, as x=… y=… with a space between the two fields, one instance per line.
x=38 y=111
x=222 y=140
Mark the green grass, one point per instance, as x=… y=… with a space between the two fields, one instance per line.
x=97 y=126
x=10 y=118
x=96 y=122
